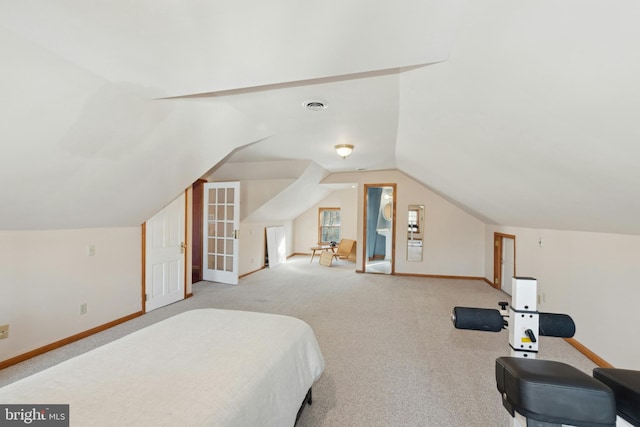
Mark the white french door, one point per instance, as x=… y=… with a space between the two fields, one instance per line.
x=222 y=220
x=164 y=255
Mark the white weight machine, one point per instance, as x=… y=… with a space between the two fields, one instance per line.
x=541 y=393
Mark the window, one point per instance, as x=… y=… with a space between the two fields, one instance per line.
x=328 y=225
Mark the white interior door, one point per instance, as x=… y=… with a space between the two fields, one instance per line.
x=508 y=264
x=164 y=255
x=222 y=219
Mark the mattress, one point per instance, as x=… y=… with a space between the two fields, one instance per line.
x=204 y=367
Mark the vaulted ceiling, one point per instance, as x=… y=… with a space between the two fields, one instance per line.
x=523 y=114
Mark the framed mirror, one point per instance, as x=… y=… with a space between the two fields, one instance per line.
x=415 y=232
x=387 y=212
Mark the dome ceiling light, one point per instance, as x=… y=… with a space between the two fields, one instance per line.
x=344 y=150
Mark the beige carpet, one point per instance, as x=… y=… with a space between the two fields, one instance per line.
x=392 y=355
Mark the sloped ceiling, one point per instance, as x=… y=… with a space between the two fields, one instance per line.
x=533 y=120
x=522 y=113
x=275 y=190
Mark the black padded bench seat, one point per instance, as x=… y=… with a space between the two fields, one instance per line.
x=626 y=389
x=554 y=392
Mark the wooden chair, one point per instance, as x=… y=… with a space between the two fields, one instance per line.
x=346 y=250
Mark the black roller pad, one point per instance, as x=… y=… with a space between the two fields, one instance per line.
x=626 y=389
x=556 y=325
x=477 y=319
x=554 y=392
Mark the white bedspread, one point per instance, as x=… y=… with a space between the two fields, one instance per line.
x=200 y=368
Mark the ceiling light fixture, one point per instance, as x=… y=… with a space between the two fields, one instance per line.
x=344 y=150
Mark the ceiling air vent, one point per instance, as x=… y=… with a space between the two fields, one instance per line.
x=315 y=104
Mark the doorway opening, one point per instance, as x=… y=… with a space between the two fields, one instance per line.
x=379 y=228
x=504 y=261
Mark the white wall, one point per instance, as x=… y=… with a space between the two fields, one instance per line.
x=47 y=275
x=453 y=240
x=593 y=277
x=306 y=225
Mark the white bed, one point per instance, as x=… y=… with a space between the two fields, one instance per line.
x=204 y=367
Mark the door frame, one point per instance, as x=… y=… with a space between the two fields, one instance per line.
x=197 y=222
x=143 y=295
x=393 y=225
x=497 y=257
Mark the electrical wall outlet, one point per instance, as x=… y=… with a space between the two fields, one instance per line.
x=4 y=331
x=83 y=308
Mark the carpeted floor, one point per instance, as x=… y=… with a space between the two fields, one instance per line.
x=393 y=358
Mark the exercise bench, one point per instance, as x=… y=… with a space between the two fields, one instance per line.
x=625 y=385
x=548 y=393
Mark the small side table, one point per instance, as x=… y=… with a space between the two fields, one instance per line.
x=320 y=248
